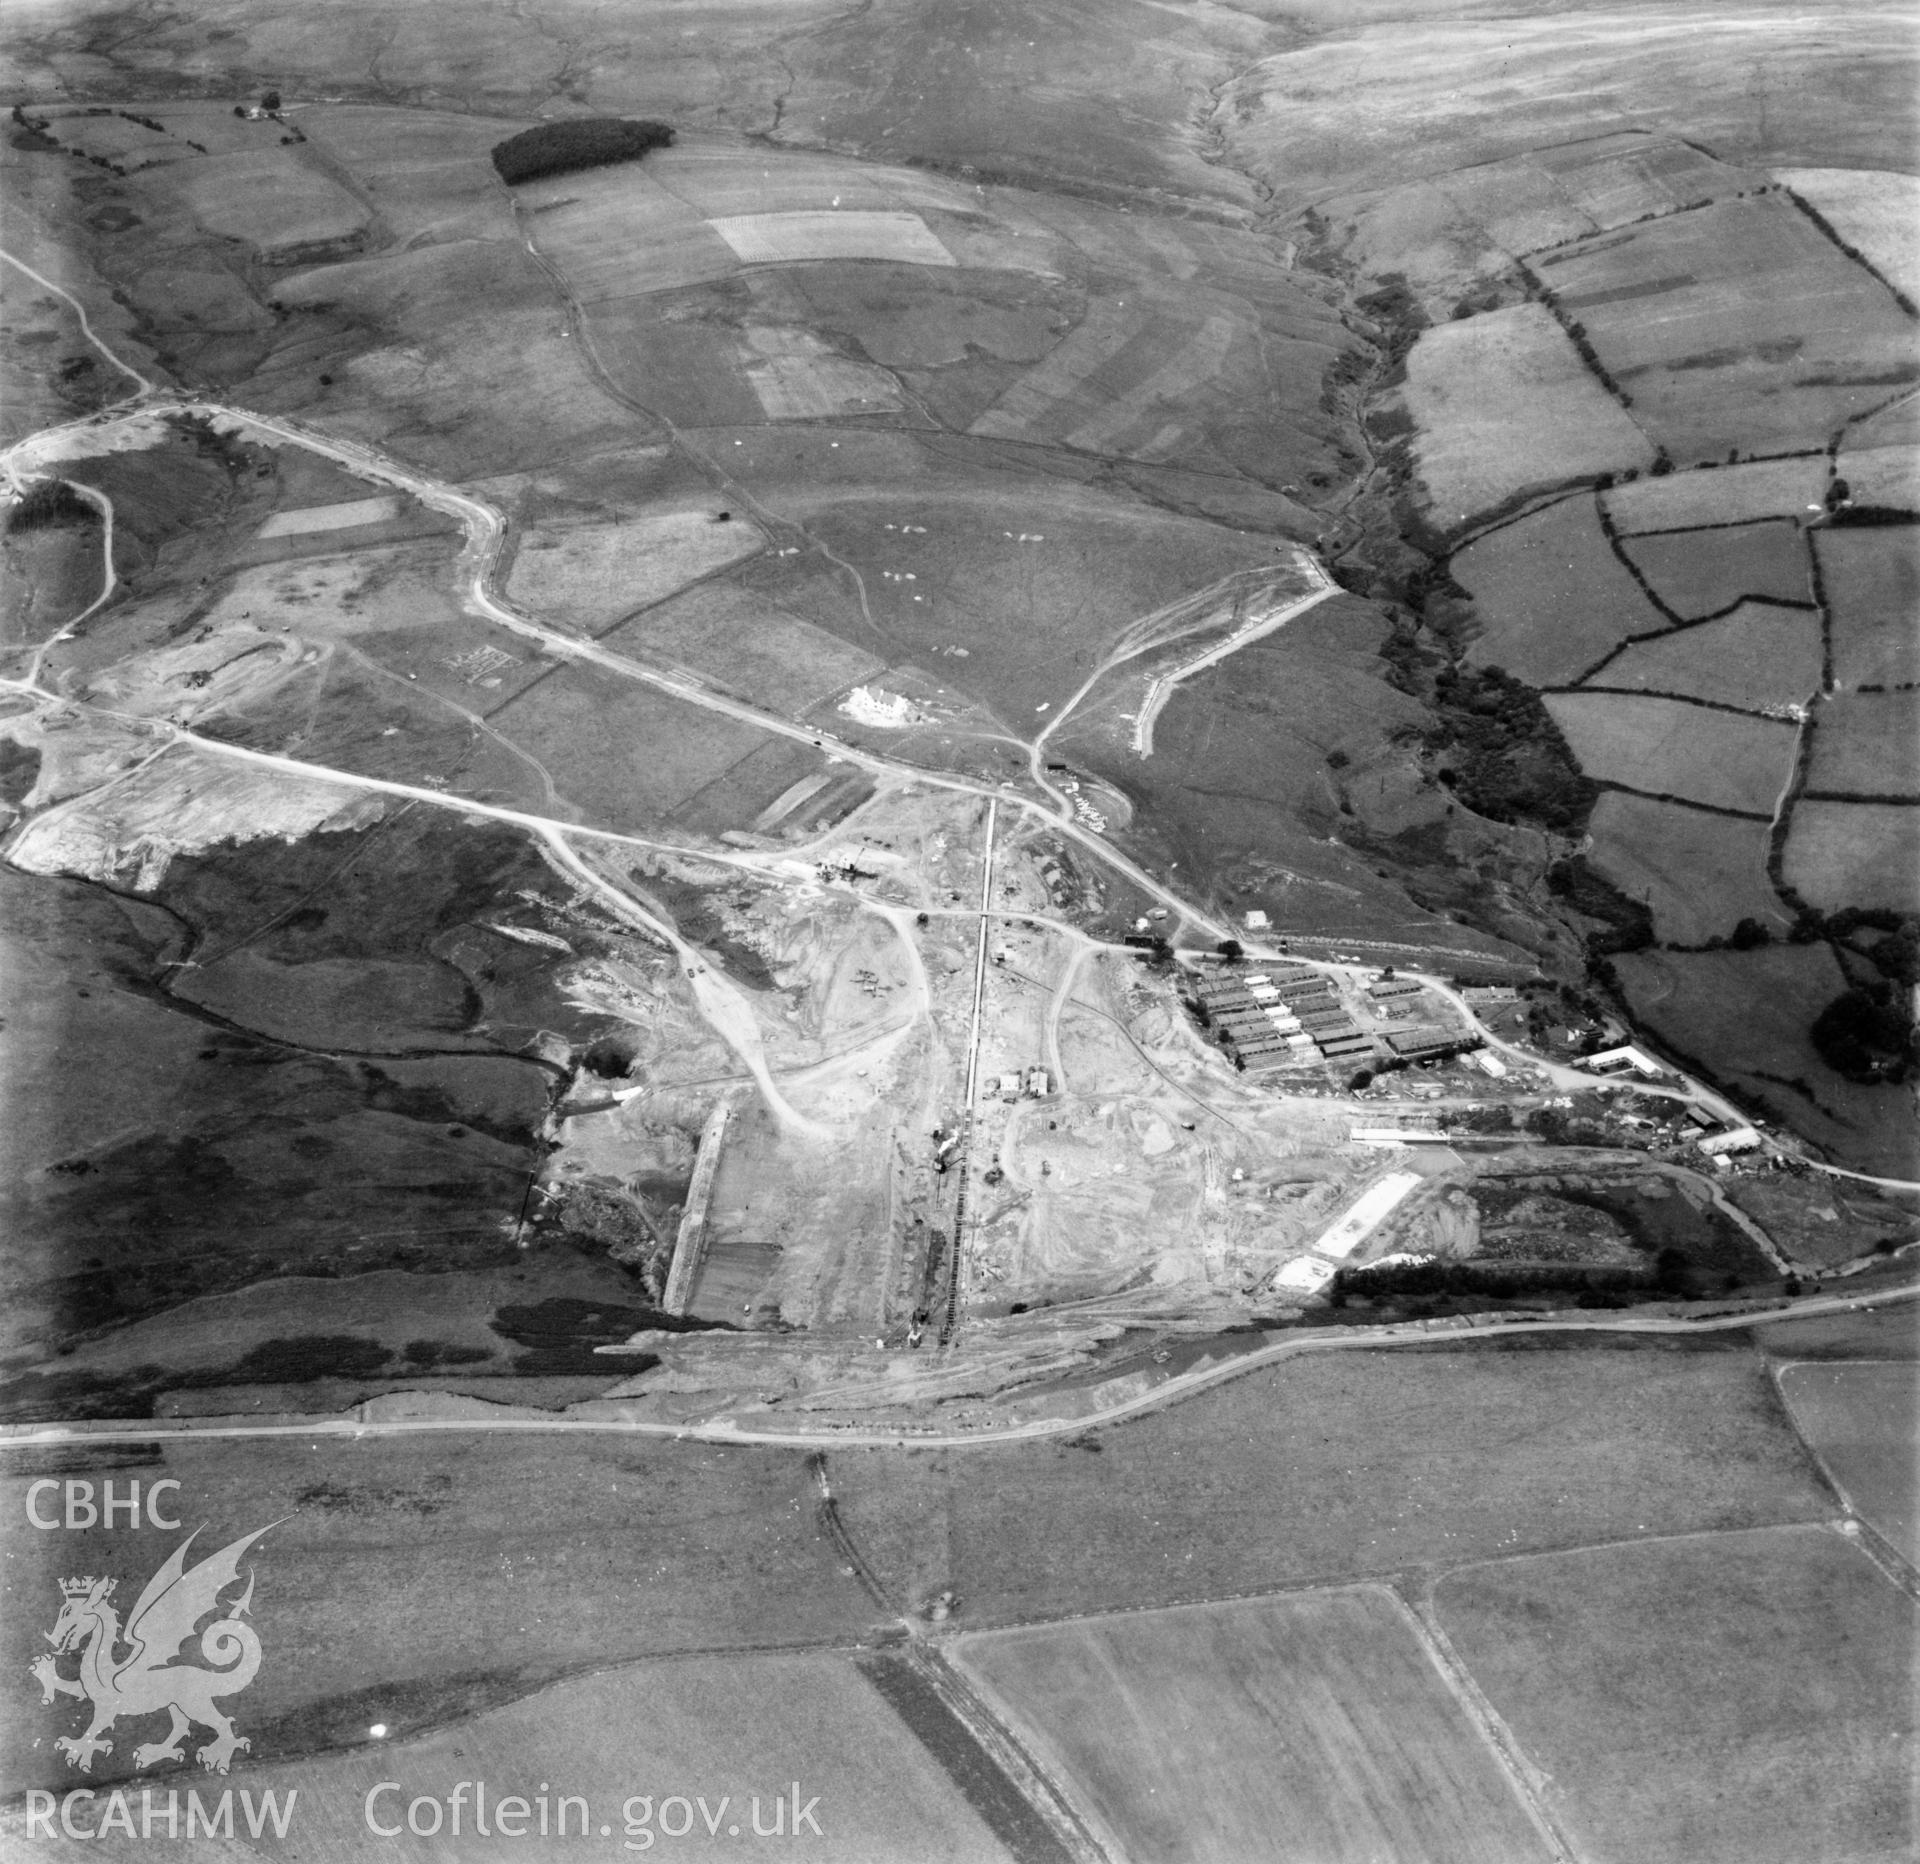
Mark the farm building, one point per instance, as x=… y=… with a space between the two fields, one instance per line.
x=1730 y=1139
x=1614 y=1060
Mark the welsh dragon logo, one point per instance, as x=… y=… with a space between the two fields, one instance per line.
x=146 y=1678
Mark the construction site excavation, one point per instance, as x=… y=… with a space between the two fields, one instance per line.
x=996 y=924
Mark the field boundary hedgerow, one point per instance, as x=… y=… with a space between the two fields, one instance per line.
x=1811 y=795
x=1686 y=802
x=1655 y=692
x=1579 y=683
x=1576 y=332
x=1852 y=252
x=1817 y=583
x=1611 y=533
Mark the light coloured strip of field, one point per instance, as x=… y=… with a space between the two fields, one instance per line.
x=1721 y=495
x=1874 y=210
x=341 y=517
x=719 y=180
x=772 y=239
x=1198 y=362
x=1107 y=328
x=1372 y=1209
x=801 y=388
x=790 y=799
x=1504 y=406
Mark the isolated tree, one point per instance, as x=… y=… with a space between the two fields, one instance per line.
x=1231 y=950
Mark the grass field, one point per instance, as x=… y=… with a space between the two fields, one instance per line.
x=727 y=1736
x=376 y=1007
x=1867 y=744
x=1666 y=747
x=1200 y=1735
x=473 y=373
x=1715 y=1699
x=1742 y=494
x=1444 y=93
x=1504 y=406
x=1859 y=1418
x=1873 y=593
x=746 y=645
x=1704 y=572
x=1745 y=1015
x=482 y=1567
x=586 y=576
x=1550 y=597
x=1382 y=1463
x=47 y=578
x=625 y=754
x=1739 y=325
x=1873 y=210
x=276 y=202
x=1033 y=578
x=1885 y=476
x=1758 y=656
x=1701 y=874
x=1855 y=854
x=1861 y=1333
x=1450 y=233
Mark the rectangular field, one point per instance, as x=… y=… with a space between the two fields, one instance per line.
x=480 y=1565
x=1758 y=656
x=1859 y=1418
x=768 y=239
x=1550 y=597
x=745 y=644
x=1738 y=325
x=1874 y=210
x=1739 y=494
x=1384 y=1462
x=1867 y=744
x=1872 y=577
x=616 y=232
x=1200 y=1735
x=1716 y=1699
x=626 y=754
x=608 y=1756
x=1505 y=405
x=1701 y=874
x=586 y=576
x=1855 y=854
x=1888 y=477
x=1705 y=572
x=1667 y=747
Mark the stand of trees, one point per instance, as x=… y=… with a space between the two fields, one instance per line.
x=1504 y=756
x=577 y=142
x=51 y=503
